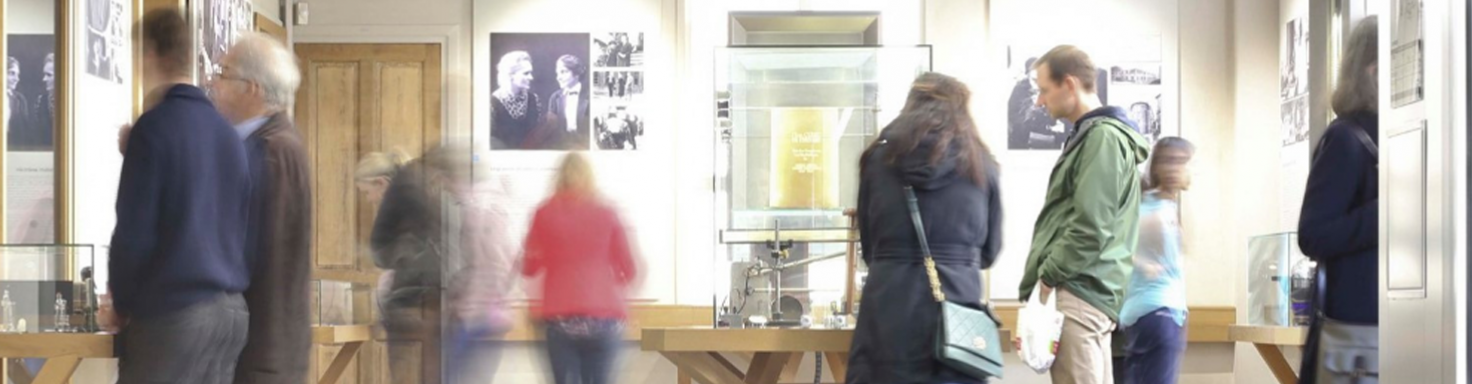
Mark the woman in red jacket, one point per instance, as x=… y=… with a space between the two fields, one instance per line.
x=577 y=243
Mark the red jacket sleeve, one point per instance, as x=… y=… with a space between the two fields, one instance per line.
x=623 y=260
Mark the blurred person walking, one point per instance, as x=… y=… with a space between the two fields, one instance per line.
x=371 y=178
x=577 y=244
x=408 y=240
x=254 y=89
x=1087 y=231
x=178 y=263
x=934 y=148
x=1339 y=224
x=480 y=257
x=1154 y=313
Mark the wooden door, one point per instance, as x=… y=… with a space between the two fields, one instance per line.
x=357 y=99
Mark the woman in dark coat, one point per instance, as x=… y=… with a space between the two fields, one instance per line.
x=1339 y=224
x=408 y=239
x=934 y=147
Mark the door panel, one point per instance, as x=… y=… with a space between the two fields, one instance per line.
x=335 y=119
x=356 y=99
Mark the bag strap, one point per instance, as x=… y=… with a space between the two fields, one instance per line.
x=913 y=204
x=1368 y=143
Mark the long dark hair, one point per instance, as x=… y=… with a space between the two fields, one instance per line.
x=938 y=105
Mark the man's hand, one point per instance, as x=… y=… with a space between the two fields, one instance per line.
x=123 y=138
x=1045 y=293
x=107 y=318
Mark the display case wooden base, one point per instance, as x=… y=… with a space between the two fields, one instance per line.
x=702 y=353
x=351 y=338
x=63 y=353
x=1267 y=340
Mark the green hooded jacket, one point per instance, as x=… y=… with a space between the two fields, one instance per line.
x=1085 y=236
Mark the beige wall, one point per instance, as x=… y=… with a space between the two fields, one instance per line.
x=270 y=8
x=1255 y=168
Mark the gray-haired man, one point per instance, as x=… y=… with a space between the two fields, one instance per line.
x=254 y=89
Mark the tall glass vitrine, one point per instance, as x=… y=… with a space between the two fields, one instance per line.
x=792 y=123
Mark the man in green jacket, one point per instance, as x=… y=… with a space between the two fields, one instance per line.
x=1085 y=237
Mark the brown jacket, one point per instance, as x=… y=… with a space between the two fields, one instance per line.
x=278 y=248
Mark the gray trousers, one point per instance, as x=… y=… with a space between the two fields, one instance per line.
x=194 y=345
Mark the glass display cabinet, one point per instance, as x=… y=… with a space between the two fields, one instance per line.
x=338 y=301
x=49 y=288
x=792 y=123
x=1279 y=281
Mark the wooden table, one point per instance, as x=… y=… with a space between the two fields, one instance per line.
x=1267 y=339
x=351 y=337
x=774 y=352
x=63 y=353
x=696 y=351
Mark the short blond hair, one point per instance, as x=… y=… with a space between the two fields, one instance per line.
x=380 y=164
x=576 y=175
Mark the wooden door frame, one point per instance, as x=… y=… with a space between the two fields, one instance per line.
x=455 y=105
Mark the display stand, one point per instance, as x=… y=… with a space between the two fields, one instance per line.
x=351 y=337
x=697 y=352
x=1267 y=340
x=63 y=353
x=700 y=353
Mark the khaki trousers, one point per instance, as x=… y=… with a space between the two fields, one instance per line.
x=1084 y=351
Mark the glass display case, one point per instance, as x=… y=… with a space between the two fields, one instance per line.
x=792 y=123
x=338 y=301
x=1279 y=281
x=49 y=288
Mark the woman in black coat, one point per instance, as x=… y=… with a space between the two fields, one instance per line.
x=934 y=147
x=1339 y=224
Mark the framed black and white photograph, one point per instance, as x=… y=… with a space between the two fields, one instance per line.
x=1294 y=63
x=1136 y=88
x=619 y=49
x=618 y=128
x=618 y=86
x=542 y=96
x=31 y=91
x=220 y=22
x=1295 y=121
x=105 y=36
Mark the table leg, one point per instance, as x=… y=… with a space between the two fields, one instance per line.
x=681 y=377
x=58 y=370
x=766 y=367
x=837 y=364
x=789 y=373
x=1277 y=363
x=705 y=367
x=340 y=362
x=16 y=370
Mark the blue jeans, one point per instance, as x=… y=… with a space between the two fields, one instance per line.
x=1156 y=345
x=583 y=351
x=474 y=353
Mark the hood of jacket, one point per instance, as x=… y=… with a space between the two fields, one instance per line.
x=1102 y=117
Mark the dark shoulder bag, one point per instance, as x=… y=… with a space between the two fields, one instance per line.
x=1348 y=352
x=966 y=339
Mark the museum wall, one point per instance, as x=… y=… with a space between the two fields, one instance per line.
x=1257 y=27
x=270 y=8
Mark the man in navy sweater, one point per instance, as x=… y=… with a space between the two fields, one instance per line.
x=178 y=263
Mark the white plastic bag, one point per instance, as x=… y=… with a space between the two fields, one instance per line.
x=1039 y=326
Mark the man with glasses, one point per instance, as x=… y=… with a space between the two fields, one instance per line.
x=253 y=89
